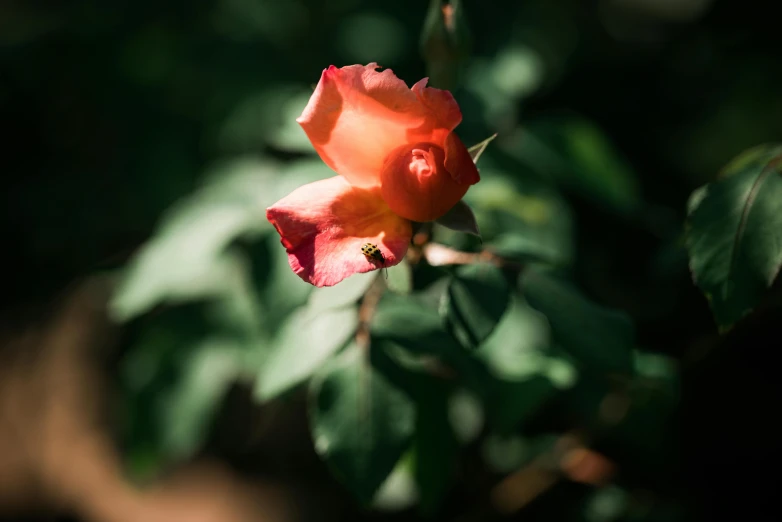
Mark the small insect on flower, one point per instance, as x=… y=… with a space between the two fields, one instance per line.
x=374 y=255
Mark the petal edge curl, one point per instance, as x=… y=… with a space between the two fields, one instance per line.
x=357 y=115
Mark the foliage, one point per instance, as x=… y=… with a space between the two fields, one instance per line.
x=544 y=327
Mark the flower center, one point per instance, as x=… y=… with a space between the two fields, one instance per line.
x=422 y=162
x=415 y=183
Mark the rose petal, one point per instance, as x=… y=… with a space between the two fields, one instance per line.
x=358 y=115
x=459 y=163
x=323 y=226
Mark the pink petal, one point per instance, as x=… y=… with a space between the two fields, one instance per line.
x=323 y=226
x=357 y=116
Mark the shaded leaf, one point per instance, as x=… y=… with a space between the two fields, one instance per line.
x=436 y=449
x=598 y=338
x=578 y=155
x=476 y=299
x=410 y=332
x=461 y=219
x=524 y=220
x=412 y=324
x=360 y=423
x=734 y=234
x=191 y=405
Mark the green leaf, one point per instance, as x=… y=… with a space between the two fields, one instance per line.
x=578 y=155
x=466 y=416
x=190 y=406
x=523 y=219
x=360 y=423
x=400 y=278
x=598 y=338
x=347 y=293
x=461 y=219
x=476 y=299
x=399 y=491
x=281 y=290
x=186 y=259
x=436 y=449
x=477 y=150
x=734 y=234
x=412 y=324
x=267 y=118
x=307 y=340
x=527 y=374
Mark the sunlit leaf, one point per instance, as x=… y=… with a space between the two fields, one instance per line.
x=306 y=340
x=734 y=233
x=348 y=292
x=465 y=415
x=360 y=423
x=400 y=278
x=527 y=373
x=399 y=490
x=186 y=259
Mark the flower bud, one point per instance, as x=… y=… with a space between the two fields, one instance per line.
x=416 y=185
x=445 y=43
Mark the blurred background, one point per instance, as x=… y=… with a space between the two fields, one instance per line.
x=145 y=139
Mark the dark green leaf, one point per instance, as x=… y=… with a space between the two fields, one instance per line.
x=476 y=299
x=410 y=333
x=598 y=338
x=436 y=449
x=734 y=234
x=461 y=219
x=578 y=155
x=412 y=324
x=307 y=339
x=360 y=423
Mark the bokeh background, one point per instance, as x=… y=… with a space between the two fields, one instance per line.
x=147 y=138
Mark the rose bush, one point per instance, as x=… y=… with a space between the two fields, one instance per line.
x=397 y=158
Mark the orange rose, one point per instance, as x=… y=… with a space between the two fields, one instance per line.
x=398 y=161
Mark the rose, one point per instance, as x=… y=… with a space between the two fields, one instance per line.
x=398 y=161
